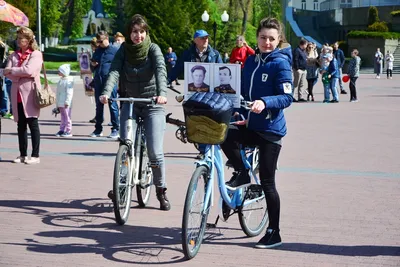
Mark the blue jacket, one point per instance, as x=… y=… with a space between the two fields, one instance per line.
x=333 y=69
x=268 y=77
x=173 y=61
x=300 y=59
x=191 y=55
x=104 y=56
x=339 y=55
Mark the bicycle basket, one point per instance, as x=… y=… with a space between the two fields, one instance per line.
x=207 y=117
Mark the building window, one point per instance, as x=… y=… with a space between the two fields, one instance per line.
x=316 y=5
x=303 y=4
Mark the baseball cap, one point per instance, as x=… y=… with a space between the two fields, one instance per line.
x=200 y=33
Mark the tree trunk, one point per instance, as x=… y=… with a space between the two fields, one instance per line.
x=68 y=28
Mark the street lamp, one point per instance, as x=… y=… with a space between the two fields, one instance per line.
x=205 y=17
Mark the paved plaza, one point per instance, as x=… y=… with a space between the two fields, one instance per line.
x=338 y=179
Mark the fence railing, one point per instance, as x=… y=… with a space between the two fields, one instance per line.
x=336 y=4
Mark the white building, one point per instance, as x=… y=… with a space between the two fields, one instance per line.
x=96 y=19
x=313 y=5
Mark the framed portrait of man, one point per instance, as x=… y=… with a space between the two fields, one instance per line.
x=197 y=78
x=88 y=84
x=226 y=80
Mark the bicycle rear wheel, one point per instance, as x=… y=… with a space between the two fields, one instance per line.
x=253 y=217
x=143 y=189
x=195 y=214
x=122 y=189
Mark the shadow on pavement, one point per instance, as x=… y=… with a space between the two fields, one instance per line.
x=128 y=244
x=92 y=154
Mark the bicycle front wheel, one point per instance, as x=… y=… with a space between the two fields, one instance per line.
x=195 y=214
x=253 y=215
x=121 y=186
x=143 y=189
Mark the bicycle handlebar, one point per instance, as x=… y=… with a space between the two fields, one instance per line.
x=150 y=101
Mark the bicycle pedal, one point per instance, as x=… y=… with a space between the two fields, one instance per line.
x=255 y=188
x=211 y=225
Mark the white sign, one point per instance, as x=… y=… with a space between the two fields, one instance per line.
x=213 y=77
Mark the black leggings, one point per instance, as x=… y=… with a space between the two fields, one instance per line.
x=353 y=89
x=268 y=158
x=389 y=72
x=23 y=133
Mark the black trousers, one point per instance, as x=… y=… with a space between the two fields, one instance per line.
x=353 y=89
x=310 y=83
x=389 y=72
x=268 y=158
x=33 y=123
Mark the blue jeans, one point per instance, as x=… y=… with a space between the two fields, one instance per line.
x=331 y=87
x=6 y=96
x=334 y=88
x=114 y=110
x=154 y=126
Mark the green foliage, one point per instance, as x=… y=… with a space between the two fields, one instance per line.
x=375 y=35
x=50 y=17
x=50 y=65
x=395 y=13
x=372 y=15
x=380 y=26
x=172 y=23
x=63 y=50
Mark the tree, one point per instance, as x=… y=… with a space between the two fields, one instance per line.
x=245 y=6
x=372 y=15
x=50 y=17
x=72 y=18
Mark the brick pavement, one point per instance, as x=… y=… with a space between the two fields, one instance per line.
x=339 y=182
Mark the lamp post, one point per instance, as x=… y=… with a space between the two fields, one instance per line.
x=205 y=17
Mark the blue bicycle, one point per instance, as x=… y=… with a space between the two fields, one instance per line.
x=248 y=202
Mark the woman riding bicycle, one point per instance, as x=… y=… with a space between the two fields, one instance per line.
x=140 y=68
x=267 y=82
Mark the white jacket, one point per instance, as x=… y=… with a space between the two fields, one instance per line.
x=389 y=58
x=65 y=87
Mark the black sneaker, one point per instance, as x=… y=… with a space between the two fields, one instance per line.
x=271 y=239
x=334 y=101
x=177 y=83
x=343 y=92
x=238 y=180
x=93 y=120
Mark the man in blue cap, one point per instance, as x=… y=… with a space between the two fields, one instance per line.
x=199 y=51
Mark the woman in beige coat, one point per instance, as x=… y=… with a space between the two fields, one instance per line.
x=23 y=69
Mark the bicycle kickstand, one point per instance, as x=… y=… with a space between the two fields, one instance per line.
x=213 y=225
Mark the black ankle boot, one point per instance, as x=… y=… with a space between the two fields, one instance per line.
x=162 y=197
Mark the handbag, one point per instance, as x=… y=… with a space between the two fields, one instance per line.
x=45 y=96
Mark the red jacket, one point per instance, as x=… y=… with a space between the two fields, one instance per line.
x=240 y=54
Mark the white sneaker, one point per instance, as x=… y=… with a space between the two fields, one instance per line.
x=32 y=161
x=20 y=160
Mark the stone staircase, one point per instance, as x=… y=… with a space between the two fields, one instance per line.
x=396 y=63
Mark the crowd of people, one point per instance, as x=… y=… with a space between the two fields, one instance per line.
x=273 y=75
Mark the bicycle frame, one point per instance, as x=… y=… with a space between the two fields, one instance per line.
x=213 y=160
x=134 y=142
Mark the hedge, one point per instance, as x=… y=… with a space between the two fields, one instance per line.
x=380 y=26
x=395 y=13
x=365 y=34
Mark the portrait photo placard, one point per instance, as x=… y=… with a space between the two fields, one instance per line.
x=197 y=78
x=88 y=84
x=213 y=77
x=227 y=81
